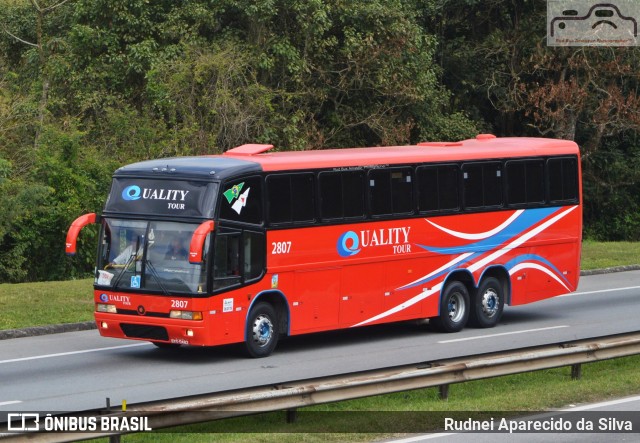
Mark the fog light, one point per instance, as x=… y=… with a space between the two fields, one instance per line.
x=189 y=332
x=186 y=315
x=111 y=309
x=104 y=325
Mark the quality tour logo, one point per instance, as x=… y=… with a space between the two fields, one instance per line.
x=351 y=243
x=175 y=198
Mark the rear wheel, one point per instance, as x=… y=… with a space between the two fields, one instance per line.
x=454 y=308
x=488 y=304
x=262 y=330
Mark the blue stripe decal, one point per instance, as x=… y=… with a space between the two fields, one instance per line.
x=532 y=257
x=529 y=218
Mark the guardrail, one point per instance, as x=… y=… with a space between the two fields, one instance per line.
x=297 y=394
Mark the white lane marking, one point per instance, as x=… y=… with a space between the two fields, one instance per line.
x=504 y=333
x=604 y=404
x=601 y=291
x=422 y=437
x=13 y=402
x=62 y=354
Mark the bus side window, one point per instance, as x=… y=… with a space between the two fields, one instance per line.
x=241 y=201
x=525 y=182
x=482 y=185
x=438 y=188
x=291 y=198
x=254 y=255
x=226 y=262
x=563 y=180
x=391 y=191
x=342 y=195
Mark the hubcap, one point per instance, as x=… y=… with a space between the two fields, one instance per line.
x=456 y=307
x=490 y=302
x=262 y=330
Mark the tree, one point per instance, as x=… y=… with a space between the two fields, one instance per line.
x=42 y=46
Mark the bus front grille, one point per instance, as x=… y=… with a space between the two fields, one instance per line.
x=144 y=331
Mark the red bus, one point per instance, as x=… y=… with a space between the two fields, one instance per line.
x=252 y=245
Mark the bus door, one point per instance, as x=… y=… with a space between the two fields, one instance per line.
x=361 y=292
x=398 y=273
x=316 y=292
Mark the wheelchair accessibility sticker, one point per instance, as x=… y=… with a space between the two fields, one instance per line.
x=592 y=22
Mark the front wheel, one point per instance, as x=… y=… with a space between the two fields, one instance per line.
x=262 y=330
x=488 y=304
x=454 y=308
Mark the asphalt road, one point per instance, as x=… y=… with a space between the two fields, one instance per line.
x=78 y=370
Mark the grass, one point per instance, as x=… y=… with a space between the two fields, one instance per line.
x=44 y=303
x=598 y=255
x=36 y=304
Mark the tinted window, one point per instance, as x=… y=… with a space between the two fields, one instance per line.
x=482 y=184
x=342 y=194
x=563 y=179
x=290 y=198
x=254 y=254
x=525 y=182
x=391 y=191
x=438 y=188
x=241 y=200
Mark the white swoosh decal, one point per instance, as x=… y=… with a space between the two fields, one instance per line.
x=440 y=269
x=480 y=235
x=404 y=305
x=529 y=265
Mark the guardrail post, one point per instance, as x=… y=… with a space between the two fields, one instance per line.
x=576 y=371
x=444 y=392
x=112 y=438
x=292 y=415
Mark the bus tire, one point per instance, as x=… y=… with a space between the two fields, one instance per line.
x=262 y=330
x=454 y=308
x=488 y=304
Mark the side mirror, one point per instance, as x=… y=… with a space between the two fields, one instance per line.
x=74 y=230
x=197 y=241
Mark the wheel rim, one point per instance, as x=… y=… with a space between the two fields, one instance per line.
x=490 y=303
x=456 y=307
x=262 y=330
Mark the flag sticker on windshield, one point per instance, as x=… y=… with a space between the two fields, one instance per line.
x=235 y=198
x=234 y=192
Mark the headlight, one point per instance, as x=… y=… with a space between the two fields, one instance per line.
x=186 y=315
x=111 y=309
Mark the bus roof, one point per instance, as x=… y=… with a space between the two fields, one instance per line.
x=484 y=146
x=253 y=158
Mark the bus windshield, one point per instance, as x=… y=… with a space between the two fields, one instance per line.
x=148 y=255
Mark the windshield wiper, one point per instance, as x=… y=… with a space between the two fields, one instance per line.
x=134 y=254
x=156 y=276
